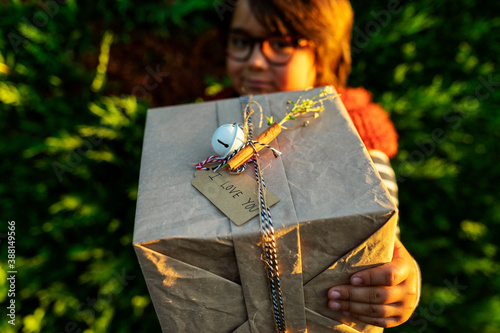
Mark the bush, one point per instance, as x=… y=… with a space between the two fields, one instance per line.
x=434 y=68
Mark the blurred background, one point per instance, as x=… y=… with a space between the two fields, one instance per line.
x=76 y=79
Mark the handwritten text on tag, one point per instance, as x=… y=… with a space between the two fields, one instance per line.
x=235 y=195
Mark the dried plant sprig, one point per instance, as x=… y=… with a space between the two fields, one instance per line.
x=303 y=106
x=300 y=108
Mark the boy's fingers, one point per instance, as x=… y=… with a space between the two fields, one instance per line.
x=382 y=322
x=368 y=310
x=383 y=296
x=389 y=274
x=374 y=295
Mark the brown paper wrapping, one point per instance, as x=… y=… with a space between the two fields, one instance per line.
x=205 y=274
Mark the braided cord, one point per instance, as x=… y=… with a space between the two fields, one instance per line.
x=267 y=232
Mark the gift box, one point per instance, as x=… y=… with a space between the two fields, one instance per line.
x=206 y=274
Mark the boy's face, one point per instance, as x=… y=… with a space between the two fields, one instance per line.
x=256 y=75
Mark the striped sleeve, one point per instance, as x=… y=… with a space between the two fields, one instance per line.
x=383 y=166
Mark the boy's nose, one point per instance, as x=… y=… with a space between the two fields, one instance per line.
x=257 y=59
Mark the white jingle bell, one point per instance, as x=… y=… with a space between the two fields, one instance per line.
x=227 y=138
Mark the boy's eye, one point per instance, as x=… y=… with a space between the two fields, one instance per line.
x=281 y=44
x=239 y=41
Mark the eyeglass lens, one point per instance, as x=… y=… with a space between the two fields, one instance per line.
x=276 y=49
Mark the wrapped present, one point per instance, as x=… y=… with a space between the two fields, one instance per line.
x=207 y=274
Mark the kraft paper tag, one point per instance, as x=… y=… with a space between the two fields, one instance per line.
x=235 y=195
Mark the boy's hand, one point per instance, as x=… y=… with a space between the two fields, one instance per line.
x=384 y=296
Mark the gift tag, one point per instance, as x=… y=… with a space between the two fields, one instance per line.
x=235 y=195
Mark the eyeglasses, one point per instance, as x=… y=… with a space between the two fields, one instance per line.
x=277 y=50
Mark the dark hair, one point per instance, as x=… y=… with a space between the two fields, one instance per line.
x=326 y=23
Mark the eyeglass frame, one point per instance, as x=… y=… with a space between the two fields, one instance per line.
x=296 y=43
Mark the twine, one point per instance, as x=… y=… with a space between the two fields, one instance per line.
x=208 y=160
x=266 y=223
x=267 y=231
x=223 y=161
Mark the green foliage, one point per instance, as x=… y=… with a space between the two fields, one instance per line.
x=430 y=68
x=72 y=136
x=70 y=163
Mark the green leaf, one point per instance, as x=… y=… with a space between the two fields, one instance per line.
x=270 y=120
